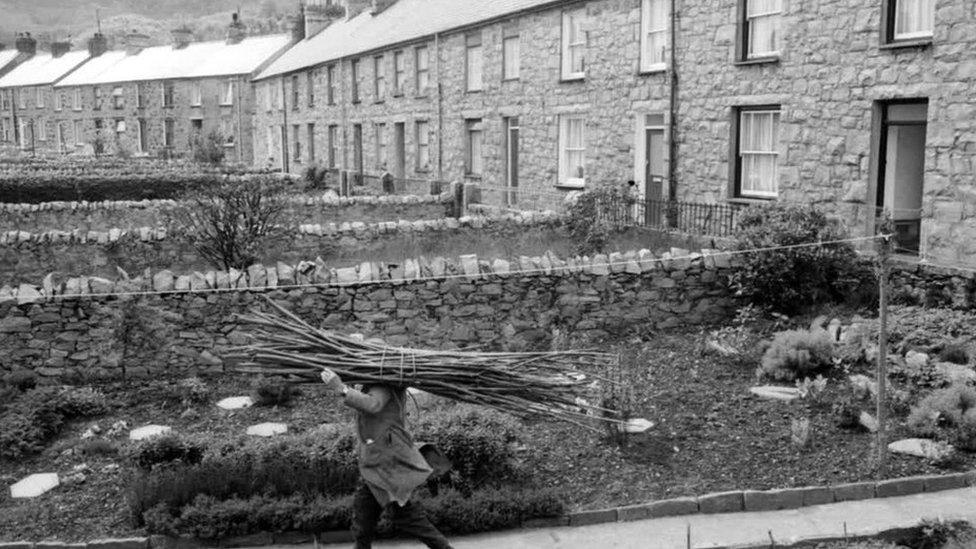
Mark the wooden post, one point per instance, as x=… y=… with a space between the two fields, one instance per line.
x=884 y=274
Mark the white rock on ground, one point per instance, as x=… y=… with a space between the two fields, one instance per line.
x=267 y=429
x=955 y=373
x=920 y=447
x=773 y=392
x=34 y=485
x=636 y=426
x=236 y=403
x=148 y=431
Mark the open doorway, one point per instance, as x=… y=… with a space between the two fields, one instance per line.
x=901 y=169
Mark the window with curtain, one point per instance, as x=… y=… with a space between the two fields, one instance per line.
x=294 y=92
x=399 y=72
x=76 y=130
x=227 y=93
x=310 y=130
x=475 y=137
x=169 y=132
x=354 y=80
x=41 y=130
x=654 y=34
x=474 y=62
x=762 y=27
x=310 y=88
x=574 y=45
x=118 y=98
x=423 y=146
x=758 y=153
x=22 y=99
x=510 y=58
x=196 y=94
x=572 y=151
x=912 y=19
x=58 y=101
x=423 y=70
x=97 y=98
x=40 y=98
x=76 y=99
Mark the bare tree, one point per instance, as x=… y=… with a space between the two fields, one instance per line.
x=227 y=224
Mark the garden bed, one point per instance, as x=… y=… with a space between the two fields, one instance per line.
x=711 y=435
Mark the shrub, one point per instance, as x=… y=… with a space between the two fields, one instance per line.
x=955 y=353
x=478 y=443
x=310 y=465
x=192 y=390
x=944 y=411
x=98 y=447
x=798 y=354
x=595 y=217
x=209 y=148
x=39 y=414
x=273 y=391
x=936 y=534
x=847 y=412
x=788 y=280
x=453 y=512
x=227 y=224
x=165 y=449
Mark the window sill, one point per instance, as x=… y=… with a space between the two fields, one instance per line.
x=766 y=60
x=196 y=106
x=472 y=176
x=379 y=101
x=572 y=79
x=470 y=92
x=422 y=96
x=652 y=71
x=357 y=101
x=907 y=43
x=513 y=79
x=225 y=105
x=398 y=95
x=422 y=171
x=566 y=185
x=750 y=200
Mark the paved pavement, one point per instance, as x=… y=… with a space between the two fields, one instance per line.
x=730 y=530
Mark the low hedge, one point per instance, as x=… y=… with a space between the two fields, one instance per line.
x=36 y=416
x=452 y=512
x=49 y=187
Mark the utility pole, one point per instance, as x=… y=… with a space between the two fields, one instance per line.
x=884 y=279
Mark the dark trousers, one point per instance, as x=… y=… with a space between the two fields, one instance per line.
x=409 y=519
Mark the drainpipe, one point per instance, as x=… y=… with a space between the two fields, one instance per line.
x=440 y=110
x=240 y=122
x=673 y=92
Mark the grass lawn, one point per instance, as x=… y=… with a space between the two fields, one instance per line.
x=710 y=435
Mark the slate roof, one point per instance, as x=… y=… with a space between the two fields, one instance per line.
x=7 y=57
x=43 y=69
x=196 y=60
x=404 y=21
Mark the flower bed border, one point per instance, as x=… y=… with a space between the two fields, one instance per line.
x=737 y=501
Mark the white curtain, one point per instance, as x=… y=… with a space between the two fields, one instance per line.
x=914 y=18
x=758 y=144
x=654 y=23
x=764 y=26
x=573 y=139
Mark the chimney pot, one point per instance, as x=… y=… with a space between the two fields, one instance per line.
x=60 y=48
x=97 y=44
x=182 y=37
x=26 y=44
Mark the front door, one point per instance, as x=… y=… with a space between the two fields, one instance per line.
x=902 y=170
x=284 y=148
x=357 y=153
x=512 y=159
x=399 y=150
x=654 y=154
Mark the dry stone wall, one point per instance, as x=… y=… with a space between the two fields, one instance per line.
x=29 y=256
x=164 y=324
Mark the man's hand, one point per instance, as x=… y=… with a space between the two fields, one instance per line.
x=332 y=381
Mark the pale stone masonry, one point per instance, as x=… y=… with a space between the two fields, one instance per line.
x=835 y=82
x=435 y=125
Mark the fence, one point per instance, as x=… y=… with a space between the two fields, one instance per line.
x=669 y=215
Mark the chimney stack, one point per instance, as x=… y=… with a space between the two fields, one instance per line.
x=26 y=43
x=298 y=25
x=237 y=30
x=355 y=7
x=319 y=14
x=97 y=44
x=182 y=37
x=60 y=48
x=135 y=42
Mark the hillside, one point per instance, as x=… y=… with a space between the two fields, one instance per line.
x=58 y=19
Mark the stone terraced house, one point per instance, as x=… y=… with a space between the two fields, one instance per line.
x=540 y=95
x=856 y=105
x=154 y=100
x=27 y=94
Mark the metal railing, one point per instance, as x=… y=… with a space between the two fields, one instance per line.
x=685 y=217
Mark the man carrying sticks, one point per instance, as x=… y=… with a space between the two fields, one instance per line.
x=389 y=463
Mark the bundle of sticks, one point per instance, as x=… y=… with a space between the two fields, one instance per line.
x=551 y=384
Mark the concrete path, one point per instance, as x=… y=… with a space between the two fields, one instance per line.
x=730 y=530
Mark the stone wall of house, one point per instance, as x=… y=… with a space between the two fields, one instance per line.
x=829 y=80
x=189 y=322
x=915 y=284
x=309 y=209
x=27 y=256
x=613 y=99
